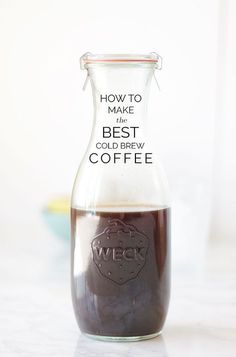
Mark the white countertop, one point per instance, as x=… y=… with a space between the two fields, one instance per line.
x=36 y=315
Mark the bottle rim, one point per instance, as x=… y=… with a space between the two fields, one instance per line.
x=89 y=58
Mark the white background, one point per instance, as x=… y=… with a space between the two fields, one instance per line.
x=45 y=123
x=45 y=118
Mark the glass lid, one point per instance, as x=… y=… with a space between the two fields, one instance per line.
x=89 y=58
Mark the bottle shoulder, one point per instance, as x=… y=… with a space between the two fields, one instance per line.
x=98 y=185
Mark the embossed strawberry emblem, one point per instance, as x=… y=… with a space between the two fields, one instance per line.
x=119 y=252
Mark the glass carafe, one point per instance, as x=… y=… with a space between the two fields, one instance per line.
x=120 y=210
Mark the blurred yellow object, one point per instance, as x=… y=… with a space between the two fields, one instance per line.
x=59 y=205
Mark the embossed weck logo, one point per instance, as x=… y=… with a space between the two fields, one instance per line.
x=119 y=252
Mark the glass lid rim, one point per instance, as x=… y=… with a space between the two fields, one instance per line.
x=89 y=58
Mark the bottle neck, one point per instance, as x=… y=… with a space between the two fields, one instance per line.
x=120 y=94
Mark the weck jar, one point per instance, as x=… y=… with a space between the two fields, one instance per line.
x=120 y=208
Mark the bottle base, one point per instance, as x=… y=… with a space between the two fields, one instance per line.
x=122 y=338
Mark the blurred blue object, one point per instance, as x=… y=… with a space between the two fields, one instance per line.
x=57 y=217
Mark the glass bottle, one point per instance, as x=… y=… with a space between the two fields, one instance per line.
x=120 y=211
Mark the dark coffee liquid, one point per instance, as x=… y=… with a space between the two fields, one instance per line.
x=121 y=271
